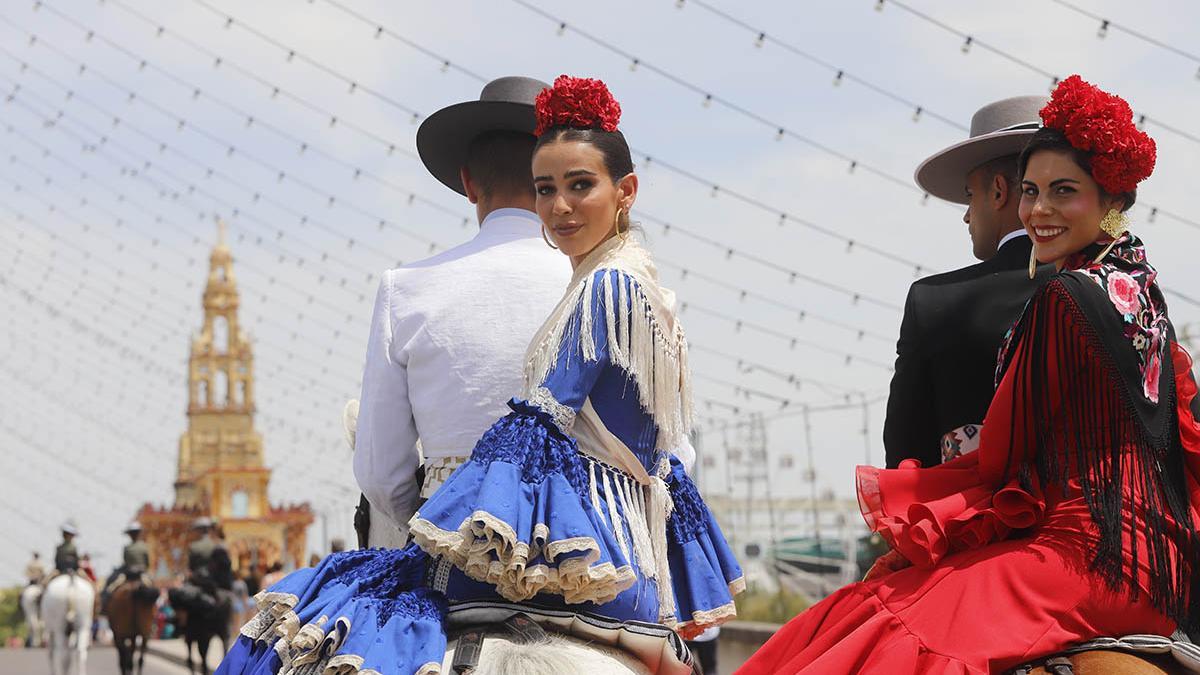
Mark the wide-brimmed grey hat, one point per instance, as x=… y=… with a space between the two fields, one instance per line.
x=505 y=104
x=70 y=528
x=202 y=522
x=997 y=130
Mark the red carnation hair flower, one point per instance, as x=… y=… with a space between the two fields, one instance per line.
x=577 y=102
x=1101 y=123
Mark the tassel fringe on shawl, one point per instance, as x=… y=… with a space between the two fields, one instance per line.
x=644 y=338
x=1130 y=473
x=646 y=341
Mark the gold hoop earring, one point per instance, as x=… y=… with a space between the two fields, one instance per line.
x=1114 y=223
x=546 y=239
x=1033 y=261
x=617 y=225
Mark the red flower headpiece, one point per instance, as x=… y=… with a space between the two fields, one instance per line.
x=577 y=102
x=1101 y=123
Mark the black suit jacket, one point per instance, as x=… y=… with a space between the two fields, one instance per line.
x=946 y=355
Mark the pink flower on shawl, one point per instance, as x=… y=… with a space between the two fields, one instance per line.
x=1150 y=377
x=1123 y=291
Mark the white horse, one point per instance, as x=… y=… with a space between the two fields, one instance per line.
x=67 y=619
x=31 y=597
x=554 y=655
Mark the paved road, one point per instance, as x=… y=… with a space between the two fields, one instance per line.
x=101 y=661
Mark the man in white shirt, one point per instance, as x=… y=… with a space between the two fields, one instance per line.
x=449 y=333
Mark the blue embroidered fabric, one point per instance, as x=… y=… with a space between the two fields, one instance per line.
x=528 y=438
x=611 y=389
x=525 y=503
x=690 y=515
x=372 y=604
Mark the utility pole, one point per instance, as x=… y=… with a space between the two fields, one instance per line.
x=755 y=467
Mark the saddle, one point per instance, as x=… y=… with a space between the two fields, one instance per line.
x=660 y=648
x=145 y=591
x=194 y=598
x=1160 y=654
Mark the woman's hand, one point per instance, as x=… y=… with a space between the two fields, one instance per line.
x=885 y=564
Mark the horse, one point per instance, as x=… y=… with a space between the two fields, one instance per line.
x=130 y=613
x=1129 y=655
x=1108 y=662
x=67 y=605
x=31 y=597
x=550 y=655
x=200 y=620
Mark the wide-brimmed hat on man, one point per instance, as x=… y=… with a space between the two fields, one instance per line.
x=998 y=130
x=505 y=104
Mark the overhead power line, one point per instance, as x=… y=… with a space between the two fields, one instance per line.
x=1023 y=63
x=1105 y=25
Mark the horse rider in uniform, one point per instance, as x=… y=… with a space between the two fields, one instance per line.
x=135 y=561
x=208 y=562
x=200 y=552
x=66 y=557
x=35 y=571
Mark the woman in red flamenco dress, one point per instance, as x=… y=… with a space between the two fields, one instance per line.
x=1077 y=515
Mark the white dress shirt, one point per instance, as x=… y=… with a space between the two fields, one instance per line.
x=446 y=352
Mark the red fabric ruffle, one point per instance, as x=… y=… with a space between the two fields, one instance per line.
x=851 y=631
x=927 y=513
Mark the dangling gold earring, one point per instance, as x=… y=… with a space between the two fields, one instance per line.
x=1033 y=262
x=1114 y=223
x=546 y=239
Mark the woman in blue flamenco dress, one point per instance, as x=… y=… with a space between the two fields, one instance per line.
x=573 y=504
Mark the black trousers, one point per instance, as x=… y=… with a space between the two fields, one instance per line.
x=705 y=654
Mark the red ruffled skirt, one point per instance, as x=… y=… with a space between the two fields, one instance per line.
x=977 y=611
x=1000 y=574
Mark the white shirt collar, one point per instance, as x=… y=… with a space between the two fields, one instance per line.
x=512 y=216
x=1010 y=236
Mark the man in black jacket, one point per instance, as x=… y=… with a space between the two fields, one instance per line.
x=954 y=322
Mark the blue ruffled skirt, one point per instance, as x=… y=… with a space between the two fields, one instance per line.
x=530 y=516
x=527 y=518
x=358 y=610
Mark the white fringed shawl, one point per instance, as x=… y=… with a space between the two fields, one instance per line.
x=646 y=341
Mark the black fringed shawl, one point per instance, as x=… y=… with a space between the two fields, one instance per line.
x=1116 y=425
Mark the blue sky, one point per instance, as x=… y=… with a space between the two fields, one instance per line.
x=114 y=171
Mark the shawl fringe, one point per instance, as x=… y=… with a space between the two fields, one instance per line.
x=643 y=336
x=1130 y=478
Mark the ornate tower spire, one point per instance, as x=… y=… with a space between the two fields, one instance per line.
x=222 y=377
x=220 y=385
x=221 y=468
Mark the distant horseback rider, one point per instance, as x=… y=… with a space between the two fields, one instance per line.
x=209 y=571
x=200 y=552
x=135 y=561
x=35 y=571
x=209 y=566
x=136 y=554
x=66 y=557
